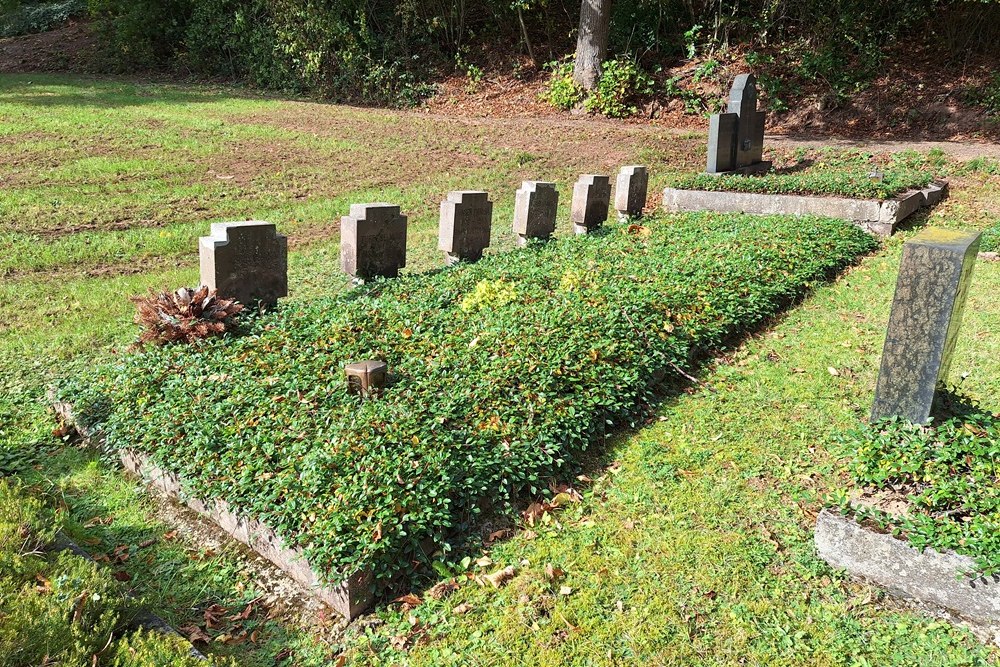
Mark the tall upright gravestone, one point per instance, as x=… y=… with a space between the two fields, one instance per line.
x=736 y=138
x=630 y=191
x=246 y=261
x=535 y=207
x=591 y=198
x=373 y=241
x=464 y=229
x=931 y=290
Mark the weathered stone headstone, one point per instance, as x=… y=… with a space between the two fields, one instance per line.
x=535 y=208
x=246 y=261
x=373 y=241
x=591 y=199
x=464 y=230
x=931 y=289
x=736 y=138
x=630 y=191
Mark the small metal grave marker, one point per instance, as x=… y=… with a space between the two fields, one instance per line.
x=630 y=191
x=366 y=377
x=591 y=198
x=373 y=241
x=464 y=230
x=736 y=138
x=535 y=208
x=933 y=283
x=246 y=261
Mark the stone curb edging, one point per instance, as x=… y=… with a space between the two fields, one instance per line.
x=145 y=619
x=349 y=598
x=932 y=577
x=876 y=216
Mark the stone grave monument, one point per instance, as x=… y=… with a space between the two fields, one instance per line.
x=630 y=191
x=591 y=198
x=373 y=241
x=464 y=230
x=736 y=138
x=931 y=289
x=535 y=209
x=246 y=261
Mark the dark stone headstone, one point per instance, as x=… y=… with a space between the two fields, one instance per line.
x=722 y=131
x=464 y=230
x=630 y=191
x=931 y=289
x=736 y=138
x=373 y=241
x=591 y=199
x=535 y=209
x=246 y=261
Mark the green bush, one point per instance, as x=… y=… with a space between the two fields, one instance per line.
x=948 y=474
x=505 y=371
x=31 y=17
x=621 y=84
x=140 y=34
x=561 y=91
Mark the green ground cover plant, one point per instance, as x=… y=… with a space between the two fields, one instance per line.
x=947 y=474
x=990 y=240
x=830 y=173
x=499 y=390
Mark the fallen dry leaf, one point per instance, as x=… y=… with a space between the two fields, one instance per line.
x=461 y=609
x=565 y=590
x=442 y=589
x=833 y=371
x=500 y=578
x=410 y=600
x=553 y=573
x=194 y=634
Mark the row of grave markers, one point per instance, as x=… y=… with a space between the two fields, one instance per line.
x=248 y=261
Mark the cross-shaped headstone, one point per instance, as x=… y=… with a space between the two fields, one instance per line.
x=373 y=241
x=246 y=261
x=736 y=138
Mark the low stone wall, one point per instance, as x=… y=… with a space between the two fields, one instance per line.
x=931 y=577
x=349 y=598
x=877 y=216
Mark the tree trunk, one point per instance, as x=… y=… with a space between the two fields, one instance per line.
x=592 y=42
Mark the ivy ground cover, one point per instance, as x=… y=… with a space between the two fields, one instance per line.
x=944 y=475
x=505 y=372
x=828 y=172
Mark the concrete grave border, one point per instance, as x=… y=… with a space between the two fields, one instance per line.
x=876 y=216
x=349 y=598
x=935 y=578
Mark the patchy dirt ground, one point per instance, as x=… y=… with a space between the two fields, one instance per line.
x=66 y=49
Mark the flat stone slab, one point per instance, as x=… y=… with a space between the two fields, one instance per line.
x=877 y=216
x=932 y=577
x=349 y=598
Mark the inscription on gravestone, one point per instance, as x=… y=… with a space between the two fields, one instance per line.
x=373 y=241
x=535 y=207
x=931 y=290
x=246 y=261
x=736 y=138
x=464 y=230
x=591 y=198
x=630 y=191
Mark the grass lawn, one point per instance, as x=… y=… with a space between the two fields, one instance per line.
x=691 y=546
